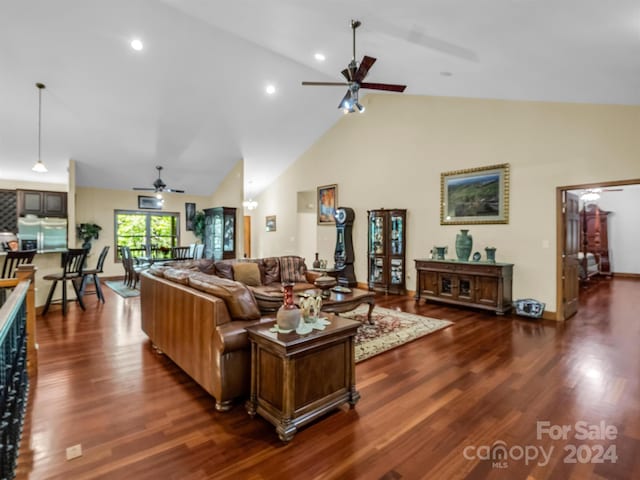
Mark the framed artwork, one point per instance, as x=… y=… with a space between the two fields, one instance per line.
x=270 y=223
x=149 y=203
x=475 y=196
x=189 y=214
x=327 y=202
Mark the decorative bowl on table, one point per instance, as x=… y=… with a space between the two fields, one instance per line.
x=325 y=283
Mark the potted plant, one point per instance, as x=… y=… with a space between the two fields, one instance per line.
x=88 y=232
x=198 y=225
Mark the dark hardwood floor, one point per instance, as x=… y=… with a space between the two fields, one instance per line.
x=482 y=381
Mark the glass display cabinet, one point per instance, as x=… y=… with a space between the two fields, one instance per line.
x=387 y=244
x=220 y=233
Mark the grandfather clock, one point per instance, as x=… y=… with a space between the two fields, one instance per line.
x=344 y=256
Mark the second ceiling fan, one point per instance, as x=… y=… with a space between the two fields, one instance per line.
x=355 y=75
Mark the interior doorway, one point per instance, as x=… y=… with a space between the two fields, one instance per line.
x=567 y=276
x=247 y=236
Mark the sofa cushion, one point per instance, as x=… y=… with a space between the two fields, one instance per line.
x=268 y=297
x=224 y=270
x=177 y=275
x=206 y=265
x=157 y=270
x=238 y=298
x=247 y=273
x=292 y=269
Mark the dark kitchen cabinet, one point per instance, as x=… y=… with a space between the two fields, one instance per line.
x=42 y=203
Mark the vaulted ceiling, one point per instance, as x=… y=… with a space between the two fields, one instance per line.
x=194 y=101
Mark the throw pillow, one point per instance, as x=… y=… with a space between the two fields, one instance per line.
x=207 y=265
x=292 y=269
x=271 y=268
x=237 y=297
x=247 y=273
x=224 y=270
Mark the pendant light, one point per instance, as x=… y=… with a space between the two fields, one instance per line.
x=39 y=166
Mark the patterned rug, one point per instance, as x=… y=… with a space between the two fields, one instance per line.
x=121 y=289
x=391 y=329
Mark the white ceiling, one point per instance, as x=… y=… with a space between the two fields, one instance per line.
x=194 y=101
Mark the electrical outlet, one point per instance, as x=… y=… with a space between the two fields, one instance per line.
x=74 y=451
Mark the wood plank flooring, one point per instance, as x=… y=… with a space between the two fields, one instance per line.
x=482 y=381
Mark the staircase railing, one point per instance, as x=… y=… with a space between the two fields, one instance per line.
x=17 y=323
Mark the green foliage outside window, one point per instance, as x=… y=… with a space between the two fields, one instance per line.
x=146 y=233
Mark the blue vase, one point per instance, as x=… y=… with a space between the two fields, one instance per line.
x=491 y=254
x=464 y=244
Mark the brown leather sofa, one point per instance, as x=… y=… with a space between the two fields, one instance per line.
x=198 y=320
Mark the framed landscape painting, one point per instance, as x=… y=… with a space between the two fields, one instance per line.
x=475 y=195
x=327 y=202
x=151 y=203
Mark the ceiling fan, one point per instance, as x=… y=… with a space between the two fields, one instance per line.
x=355 y=75
x=158 y=185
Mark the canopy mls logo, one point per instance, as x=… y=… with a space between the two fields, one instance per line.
x=500 y=454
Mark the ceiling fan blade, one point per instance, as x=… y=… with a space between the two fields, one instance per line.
x=145 y=189
x=383 y=86
x=346 y=73
x=327 y=84
x=612 y=189
x=365 y=65
x=173 y=190
x=345 y=99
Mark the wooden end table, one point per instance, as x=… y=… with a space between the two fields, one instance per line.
x=297 y=378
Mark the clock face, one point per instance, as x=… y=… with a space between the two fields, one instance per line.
x=341 y=215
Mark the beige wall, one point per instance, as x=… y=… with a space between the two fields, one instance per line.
x=230 y=194
x=97 y=205
x=392 y=156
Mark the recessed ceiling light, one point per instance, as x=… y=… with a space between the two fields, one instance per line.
x=136 y=44
x=320 y=57
x=270 y=89
x=446 y=74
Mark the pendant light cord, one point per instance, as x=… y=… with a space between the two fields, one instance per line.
x=40 y=87
x=39 y=120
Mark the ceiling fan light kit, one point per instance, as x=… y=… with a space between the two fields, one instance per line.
x=39 y=166
x=159 y=186
x=354 y=75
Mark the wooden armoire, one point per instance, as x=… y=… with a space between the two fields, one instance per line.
x=594 y=235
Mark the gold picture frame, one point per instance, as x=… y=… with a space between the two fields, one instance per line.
x=327 y=204
x=475 y=196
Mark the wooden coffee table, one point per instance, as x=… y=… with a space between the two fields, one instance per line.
x=345 y=302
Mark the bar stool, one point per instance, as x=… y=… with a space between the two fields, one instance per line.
x=72 y=260
x=93 y=273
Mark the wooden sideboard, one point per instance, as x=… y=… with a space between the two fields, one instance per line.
x=472 y=284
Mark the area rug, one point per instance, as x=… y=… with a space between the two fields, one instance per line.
x=391 y=329
x=121 y=289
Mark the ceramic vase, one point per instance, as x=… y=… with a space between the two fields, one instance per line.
x=316 y=262
x=491 y=254
x=464 y=244
x=288 y=316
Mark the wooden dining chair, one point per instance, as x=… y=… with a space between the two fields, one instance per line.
x=15 y=258
x=92 y=274
x=73 y=262
x=180 y=253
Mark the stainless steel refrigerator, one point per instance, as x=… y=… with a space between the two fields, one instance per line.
x=44 y=234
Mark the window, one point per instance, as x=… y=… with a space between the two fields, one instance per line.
x=146 y=233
